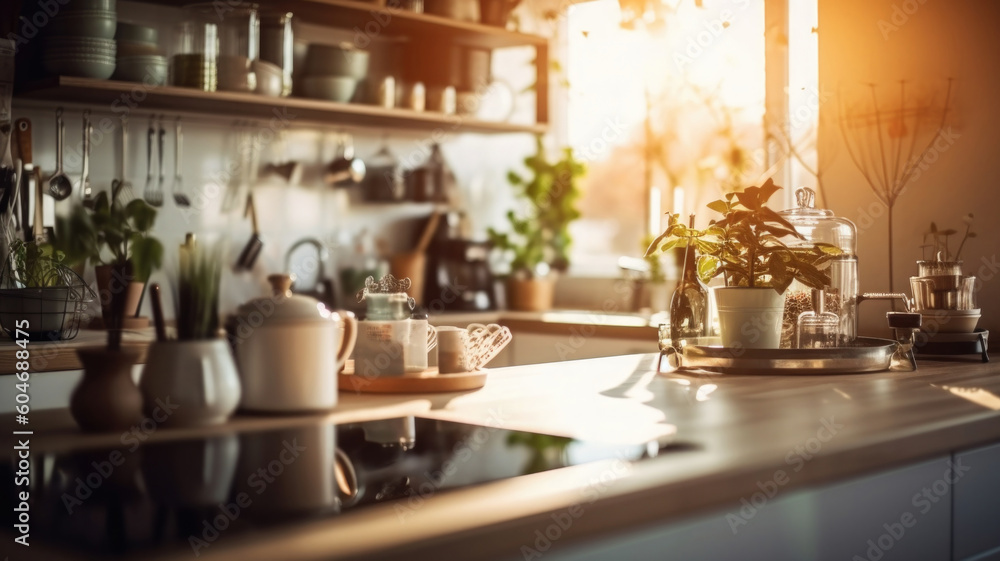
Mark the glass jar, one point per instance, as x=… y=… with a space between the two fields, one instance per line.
x=196 y=51
x=277 y=46
x=239 y=44
x=841 y=297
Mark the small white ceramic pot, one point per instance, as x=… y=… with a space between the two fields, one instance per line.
x=190 y=383
x=750 y=318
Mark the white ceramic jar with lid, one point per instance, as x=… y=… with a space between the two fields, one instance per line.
x=289 y=350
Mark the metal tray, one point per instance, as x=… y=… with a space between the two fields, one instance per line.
x=866 y=354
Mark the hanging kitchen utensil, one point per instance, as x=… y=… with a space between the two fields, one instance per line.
x=252 y=249
x=384 y=180
x=23 y=129
x=38 y=226
x=121 y=189
x=180 y=196
x=153 y=192
x=234 y=187
x=148 y=191
x=345 y=168
x=88 y=130
x=59 y=184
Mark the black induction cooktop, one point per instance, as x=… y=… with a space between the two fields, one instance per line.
x=192 y=494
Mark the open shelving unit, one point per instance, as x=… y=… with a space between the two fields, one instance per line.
x=369 y=18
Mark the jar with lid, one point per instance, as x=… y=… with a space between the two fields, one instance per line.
x=841 y=297
x=195 y=52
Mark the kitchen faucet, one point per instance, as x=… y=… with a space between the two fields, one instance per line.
x=324 y=290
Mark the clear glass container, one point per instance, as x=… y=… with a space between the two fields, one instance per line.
x=841 y=297
x=277 y=45
x=196 y=50
x=817 y=329
x=688 y=304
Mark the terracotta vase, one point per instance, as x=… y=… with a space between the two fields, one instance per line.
x=530 y=295
x=108 y=284
x=106 y=398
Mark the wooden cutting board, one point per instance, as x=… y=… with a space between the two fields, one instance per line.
x=428 y=381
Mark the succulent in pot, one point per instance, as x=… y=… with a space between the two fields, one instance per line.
x=746 y=248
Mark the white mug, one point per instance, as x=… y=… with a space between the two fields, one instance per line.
x=452 y=351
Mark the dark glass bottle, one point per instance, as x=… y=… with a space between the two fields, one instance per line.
x=689 y=302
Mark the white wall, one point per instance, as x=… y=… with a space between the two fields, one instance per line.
x=932 y=40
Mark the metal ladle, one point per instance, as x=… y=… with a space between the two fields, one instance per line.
x=60 y=185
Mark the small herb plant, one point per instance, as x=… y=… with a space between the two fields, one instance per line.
x=542 y=237
x=123 y=231
x=939 y=245
x=37 y=265
x=197 y=301
x=746 y=246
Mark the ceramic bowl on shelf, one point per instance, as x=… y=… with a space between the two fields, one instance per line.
x=90 y=6
x=327 y=60
x=149 y=69
x=84 y=23
x=131 y=48
x=949 y=321
x=74 y=43
x=136 y=33
x=270 y=78
x=82 y=66
x=332 y=88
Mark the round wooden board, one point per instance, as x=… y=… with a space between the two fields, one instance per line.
x=428 y=381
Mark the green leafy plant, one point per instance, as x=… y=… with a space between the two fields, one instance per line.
x=656 y=273
x=197 y=301
x=542 y=235
x=746 y=246
x=37 y=265
x=939 y=245
x=112 y=233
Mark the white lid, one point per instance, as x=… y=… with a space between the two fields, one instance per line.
x=283 y=306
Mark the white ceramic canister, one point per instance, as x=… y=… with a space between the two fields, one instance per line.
x=289 y=350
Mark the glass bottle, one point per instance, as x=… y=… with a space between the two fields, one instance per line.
x=689 y=301
x=817 y=329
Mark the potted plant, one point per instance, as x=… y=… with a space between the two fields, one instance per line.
x=538 y=241
x=746 y=248
x=36 y=294
x=109 y=236
x=942 y=262
x=196 y=370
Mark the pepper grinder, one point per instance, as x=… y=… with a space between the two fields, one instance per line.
x=818 y=329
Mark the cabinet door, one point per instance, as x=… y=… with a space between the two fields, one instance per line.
x=977 y=504
x=873 y=518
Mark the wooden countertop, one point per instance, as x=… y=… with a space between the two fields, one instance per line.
x=740 y=430
x=61 y=355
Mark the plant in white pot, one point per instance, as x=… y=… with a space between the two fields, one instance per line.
x=538 y=242
x=196 y=372
x=745 y=247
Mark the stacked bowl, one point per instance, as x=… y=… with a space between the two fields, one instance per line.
x=945 y=298
x=333 y=72
x=80 y=40
x=139 y=55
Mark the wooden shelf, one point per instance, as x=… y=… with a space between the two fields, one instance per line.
x=374 y=19
x=248 y=106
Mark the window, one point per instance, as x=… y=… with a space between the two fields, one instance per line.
x=668 y=114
